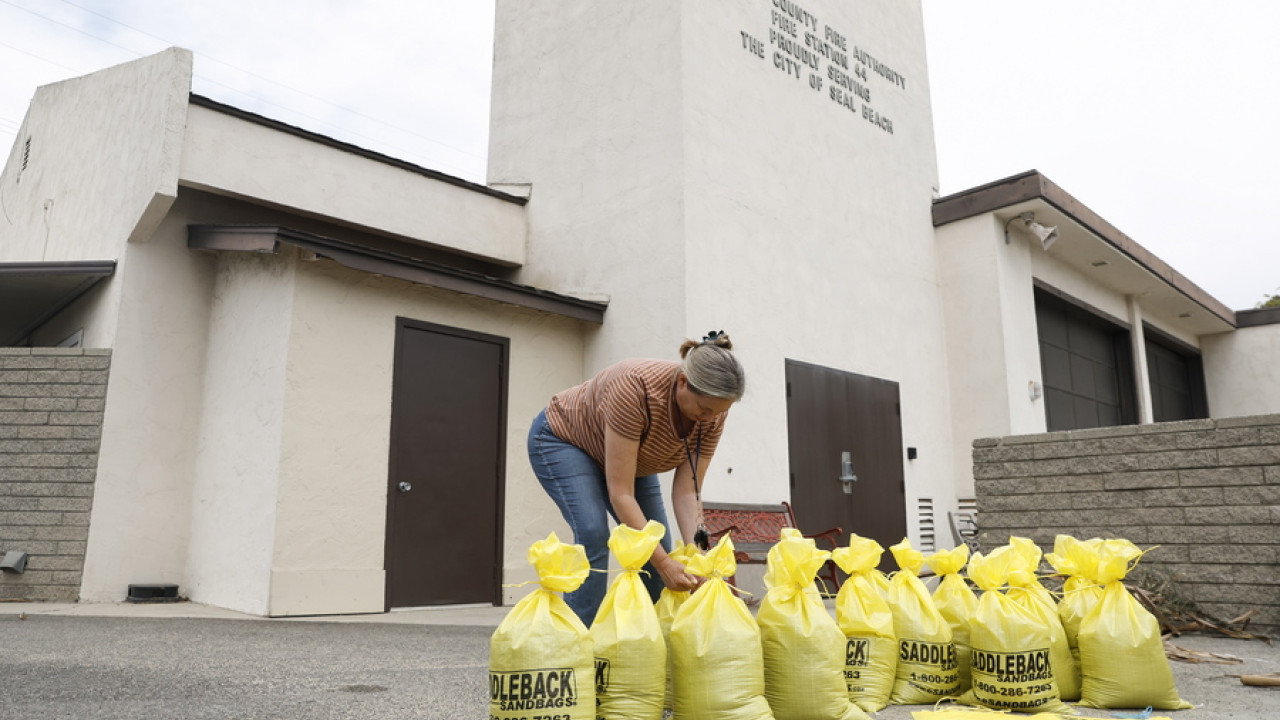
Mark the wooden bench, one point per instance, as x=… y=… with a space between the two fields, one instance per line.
x=755 y=528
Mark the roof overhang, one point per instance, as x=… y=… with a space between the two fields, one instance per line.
x=269 y=238
x=1094 y=247
x=1258 y=316
x=33 y=292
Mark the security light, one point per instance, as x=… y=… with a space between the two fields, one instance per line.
x=1046 y=235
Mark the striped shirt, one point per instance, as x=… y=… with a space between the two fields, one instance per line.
x=637 y=399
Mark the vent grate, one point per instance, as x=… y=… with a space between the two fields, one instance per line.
x=26 y=158
x=927 y=525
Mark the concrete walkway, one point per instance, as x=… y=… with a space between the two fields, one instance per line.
x=184 y=660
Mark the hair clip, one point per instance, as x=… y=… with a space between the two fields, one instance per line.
x=712 y=337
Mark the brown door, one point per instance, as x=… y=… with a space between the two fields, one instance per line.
x=444 y=496
x=829 y=413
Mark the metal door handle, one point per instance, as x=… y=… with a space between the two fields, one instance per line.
x=405 y=486
x=847 y=477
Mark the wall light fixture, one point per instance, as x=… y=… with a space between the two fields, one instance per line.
x=1046 y=235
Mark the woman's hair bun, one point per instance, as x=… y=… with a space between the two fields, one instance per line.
x=718 y=338
x=711 y=369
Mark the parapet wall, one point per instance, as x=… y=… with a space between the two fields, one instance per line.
x=1206 y=492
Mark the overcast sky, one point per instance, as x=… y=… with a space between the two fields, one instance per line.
x=1159 y=115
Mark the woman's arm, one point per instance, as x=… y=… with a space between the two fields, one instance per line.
x=620 y=456
x=684 y=499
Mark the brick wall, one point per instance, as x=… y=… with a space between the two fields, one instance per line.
x=1207 y=492
x=51 y=407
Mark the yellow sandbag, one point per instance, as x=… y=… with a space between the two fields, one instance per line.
x=1080 y=591
x=631 y=656
x=668 y=603
x=802 y=645
x=871 y=647
x=879 y=580
x=956 y=714
x=1011 y=663
x=1026 y=590
x=926 y=670
x=715 y=643
x=1121 y=652
x=540 y=657
x=956 y=602
x=1025 y=565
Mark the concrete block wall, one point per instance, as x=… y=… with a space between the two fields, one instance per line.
x=1207 y=492
x=51 y=409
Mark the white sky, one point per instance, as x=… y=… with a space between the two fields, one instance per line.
x=1158 y=115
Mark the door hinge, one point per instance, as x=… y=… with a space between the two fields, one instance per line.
x=788 y=388
x=793 y=481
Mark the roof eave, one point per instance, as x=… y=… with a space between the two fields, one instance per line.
x=268 y=238
x=1032 y=185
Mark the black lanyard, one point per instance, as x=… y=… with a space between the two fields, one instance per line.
x=700 y=537
x=693 y=458
x=693 y=461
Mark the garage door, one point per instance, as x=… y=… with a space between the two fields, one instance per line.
x=1086 y=367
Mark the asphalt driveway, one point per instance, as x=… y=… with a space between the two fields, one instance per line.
x=123 y=667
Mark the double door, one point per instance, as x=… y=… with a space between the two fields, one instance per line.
x=841 y=424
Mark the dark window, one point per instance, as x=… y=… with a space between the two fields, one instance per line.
x=1177 y=381
x=1088 y=379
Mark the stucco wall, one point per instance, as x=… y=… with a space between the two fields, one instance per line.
x=150 y=433
x=594 y=123
x=1242 y=371
x=808 y=228
x=676 y=168
x=102 y=164
x=102 y=168
x=328 y=182
x=250 y=435
x=102 y=172
x=328 y=555
x=220 y=438
x=1205 y=494
x=241 y=419
x=989 y=312
x=51 y=405
x=195 y=423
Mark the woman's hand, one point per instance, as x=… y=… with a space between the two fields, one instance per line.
x=674 y=576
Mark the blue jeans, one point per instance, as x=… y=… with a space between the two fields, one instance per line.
x=576 y=483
